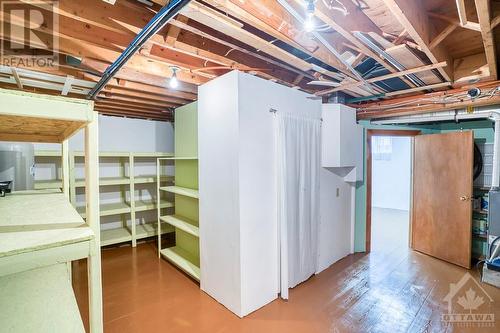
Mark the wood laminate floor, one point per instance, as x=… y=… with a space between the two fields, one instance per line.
x=396 y=291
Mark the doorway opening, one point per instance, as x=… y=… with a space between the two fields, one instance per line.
x=389 y=186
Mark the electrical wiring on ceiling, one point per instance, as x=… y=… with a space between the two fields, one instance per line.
x=449 y=99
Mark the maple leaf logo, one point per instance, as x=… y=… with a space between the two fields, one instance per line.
x=470 y=301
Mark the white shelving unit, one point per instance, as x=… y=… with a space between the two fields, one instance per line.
x=177 y=255
x=41 y=231
x=127 y=180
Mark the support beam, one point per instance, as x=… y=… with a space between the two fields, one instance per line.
x=15 y=74
x=484 y=14
x=462 y=13
x=495 y=22
x=67 y=85
x=271 y=18
x=383 y=77
x=231 y=28
x=430 y=102
x=442 y=35
x=416 y=89
x=468 y=25
x=356 y=20
x=415 y=20
x=156 y=24
x=173 y=32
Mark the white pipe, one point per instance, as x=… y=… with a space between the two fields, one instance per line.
x=479 y=113
x=353 y=215
x=495 y=175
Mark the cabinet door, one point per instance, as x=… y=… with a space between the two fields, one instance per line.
x=442 y=191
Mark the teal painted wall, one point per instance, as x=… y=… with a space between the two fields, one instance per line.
x=482 y=130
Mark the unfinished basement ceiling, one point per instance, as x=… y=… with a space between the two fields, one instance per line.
x=359 y=48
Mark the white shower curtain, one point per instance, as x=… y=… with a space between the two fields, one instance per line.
x=298 y=148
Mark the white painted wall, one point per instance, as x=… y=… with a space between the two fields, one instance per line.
x=238 y=191
x=335 y=228
x=218 y=136
x=392 y=178
x=125 y=134
x=116 y=134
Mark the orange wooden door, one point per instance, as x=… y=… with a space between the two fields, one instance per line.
x=442 y=191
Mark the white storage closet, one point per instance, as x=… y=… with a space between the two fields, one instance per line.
x=238 y=191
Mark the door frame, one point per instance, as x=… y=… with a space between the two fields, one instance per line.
x=369 y=134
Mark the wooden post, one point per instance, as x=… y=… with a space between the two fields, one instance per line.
x=72 y=185
x=92 y=199
x=132 y=198
x=158 y=210
x=65 y=167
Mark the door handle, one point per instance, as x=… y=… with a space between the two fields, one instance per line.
x=464 y=198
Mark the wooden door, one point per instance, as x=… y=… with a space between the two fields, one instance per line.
x=442 y=191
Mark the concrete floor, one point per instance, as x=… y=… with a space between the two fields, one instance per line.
x=392 y=291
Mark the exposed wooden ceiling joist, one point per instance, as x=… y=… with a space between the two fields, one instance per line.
x=261 y=37
x=484 y=14
x=413 y=17
x=430 y=102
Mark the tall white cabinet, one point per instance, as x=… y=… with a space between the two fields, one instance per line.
x=238 y=186
x=238 y=189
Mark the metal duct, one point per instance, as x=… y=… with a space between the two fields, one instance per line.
x=323 y=41
x=156 y=24
x=367 y=40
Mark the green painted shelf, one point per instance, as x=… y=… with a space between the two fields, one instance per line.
x=48 y=184
x=124 y=234
x=108 y=181
x=124 y=207
x=188 y=192
x=182 y=259
x=182 y=223
x=144 y=205
x=149 y=230
x=115 y=236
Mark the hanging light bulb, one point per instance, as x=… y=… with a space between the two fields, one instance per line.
x=174 y=82
x=309 y=25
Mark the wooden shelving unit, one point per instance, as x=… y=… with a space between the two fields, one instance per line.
x=181 y=191
x=53 y=157
x=127 y=181
x=186 y=252
x=125 y=233
x=184 y=255
x=41 y=231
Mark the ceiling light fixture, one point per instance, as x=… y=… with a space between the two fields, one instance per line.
x=174 y=82
x=309 y=25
